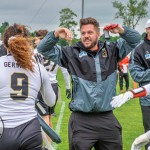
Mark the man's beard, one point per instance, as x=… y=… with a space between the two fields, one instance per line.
x=91 y=45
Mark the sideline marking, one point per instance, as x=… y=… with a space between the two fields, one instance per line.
x=59 y=122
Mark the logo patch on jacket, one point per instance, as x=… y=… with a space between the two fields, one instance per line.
x=147 y=55
x=83 y=53
x=104 y=53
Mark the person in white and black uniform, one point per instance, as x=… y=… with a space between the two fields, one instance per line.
x=21 y=79
x=52 y=69
x=52 y=73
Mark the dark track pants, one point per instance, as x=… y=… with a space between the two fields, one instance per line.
x=124 y=76
x=99 y=130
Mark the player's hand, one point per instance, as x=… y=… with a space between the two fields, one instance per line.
x=119 y=100
x=63 y=33
x=68 y=93
x=140 y=141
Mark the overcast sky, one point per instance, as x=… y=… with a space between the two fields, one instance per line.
x=44 y=14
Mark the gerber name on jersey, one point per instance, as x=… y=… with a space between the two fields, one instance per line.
x=11 y=65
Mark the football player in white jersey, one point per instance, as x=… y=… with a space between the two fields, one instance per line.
x=52 y=69
x=21 y=78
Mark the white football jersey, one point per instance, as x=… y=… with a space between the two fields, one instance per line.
x=19 y=89
x=52 y=69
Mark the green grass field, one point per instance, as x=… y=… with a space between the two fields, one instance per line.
x=129 y=116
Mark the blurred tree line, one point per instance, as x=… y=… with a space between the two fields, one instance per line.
x=131 y=13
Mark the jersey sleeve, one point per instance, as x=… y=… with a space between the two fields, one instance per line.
x=141 y=91
x=46 y=90
x=147 y=88
x=66 y=77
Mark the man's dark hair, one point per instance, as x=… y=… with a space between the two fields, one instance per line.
x=89 y=20
x=41 y=33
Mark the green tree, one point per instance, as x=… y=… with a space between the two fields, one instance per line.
x=67 y=20
x=132 y=12
x=3 y=27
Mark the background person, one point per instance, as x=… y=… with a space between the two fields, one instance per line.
x=21 y=79
x=51 y=68
x=39 y=35
x=139 y=68
x=92 y=65
x=123 y=73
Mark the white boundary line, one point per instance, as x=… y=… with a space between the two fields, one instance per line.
x=59 y=122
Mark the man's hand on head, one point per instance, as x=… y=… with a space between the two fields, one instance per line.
x=63 y=33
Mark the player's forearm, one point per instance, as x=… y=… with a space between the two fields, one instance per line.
x=67 y=80
x=139 y=92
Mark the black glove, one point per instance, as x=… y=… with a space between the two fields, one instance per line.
x=68 y=93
